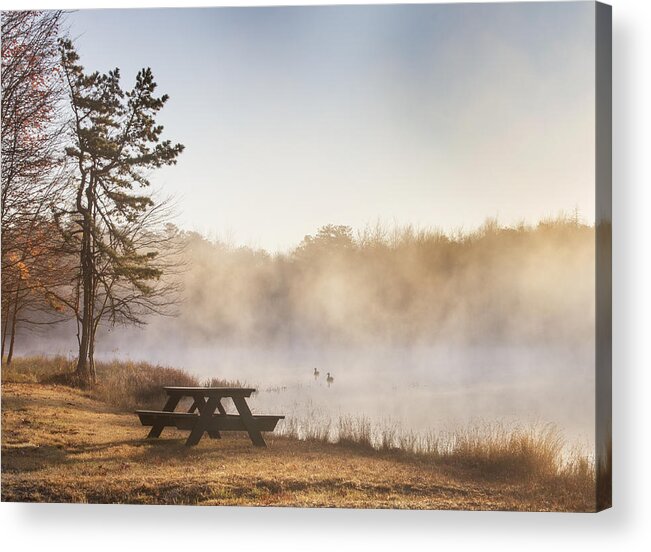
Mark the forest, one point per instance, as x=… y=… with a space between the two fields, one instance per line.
x=400 y=285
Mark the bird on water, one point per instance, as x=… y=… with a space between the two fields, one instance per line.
x=330 y=379
x=316 y=373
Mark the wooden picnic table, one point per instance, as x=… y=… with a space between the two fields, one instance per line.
x=208 y=415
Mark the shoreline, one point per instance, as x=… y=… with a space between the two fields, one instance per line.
x=60 y=445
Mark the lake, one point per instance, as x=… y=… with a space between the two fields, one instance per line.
x=419 y=389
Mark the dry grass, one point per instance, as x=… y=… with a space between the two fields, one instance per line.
x=124 y=384
x=355 y=432
x=60 y=445
x=32 y=369
x=310 y=429
x=533 y=453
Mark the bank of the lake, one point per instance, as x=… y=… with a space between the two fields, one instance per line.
x=61 y=445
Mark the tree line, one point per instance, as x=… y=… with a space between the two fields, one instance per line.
x=389 y=286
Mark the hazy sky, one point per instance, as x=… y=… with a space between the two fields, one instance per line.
x=293 y=118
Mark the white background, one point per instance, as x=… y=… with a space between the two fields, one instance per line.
x=627 y=526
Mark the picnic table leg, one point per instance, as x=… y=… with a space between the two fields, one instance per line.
x=249 y=422
x=157 y=427
x=206 y=411
x=213 y=434
x=199 y=401
x=195 y=405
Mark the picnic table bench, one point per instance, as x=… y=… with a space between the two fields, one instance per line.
x=208 y=415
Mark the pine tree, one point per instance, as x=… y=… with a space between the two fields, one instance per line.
x=115 y=142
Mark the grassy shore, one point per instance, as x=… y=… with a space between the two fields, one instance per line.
x=61 y=444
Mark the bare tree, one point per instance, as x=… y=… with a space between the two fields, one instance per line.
x=31 y=92
x=32 y=170
x=40 y=274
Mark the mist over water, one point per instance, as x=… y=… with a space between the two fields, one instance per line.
x=418 y=389
x=418 y=330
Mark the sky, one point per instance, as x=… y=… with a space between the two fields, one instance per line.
x=432 y=115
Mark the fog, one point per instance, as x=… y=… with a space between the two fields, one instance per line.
x=419 y=329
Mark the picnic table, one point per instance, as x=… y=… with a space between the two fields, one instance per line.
x=208 y=415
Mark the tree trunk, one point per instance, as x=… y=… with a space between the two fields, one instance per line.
x=5 y=327
x=83 y=370
x=10 y=354
x=91 y=357
x=14 y=318
x=7 y=317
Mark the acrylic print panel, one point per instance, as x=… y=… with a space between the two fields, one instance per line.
x=335 y=256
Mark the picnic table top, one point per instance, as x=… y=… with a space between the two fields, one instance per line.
x=210 y=391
